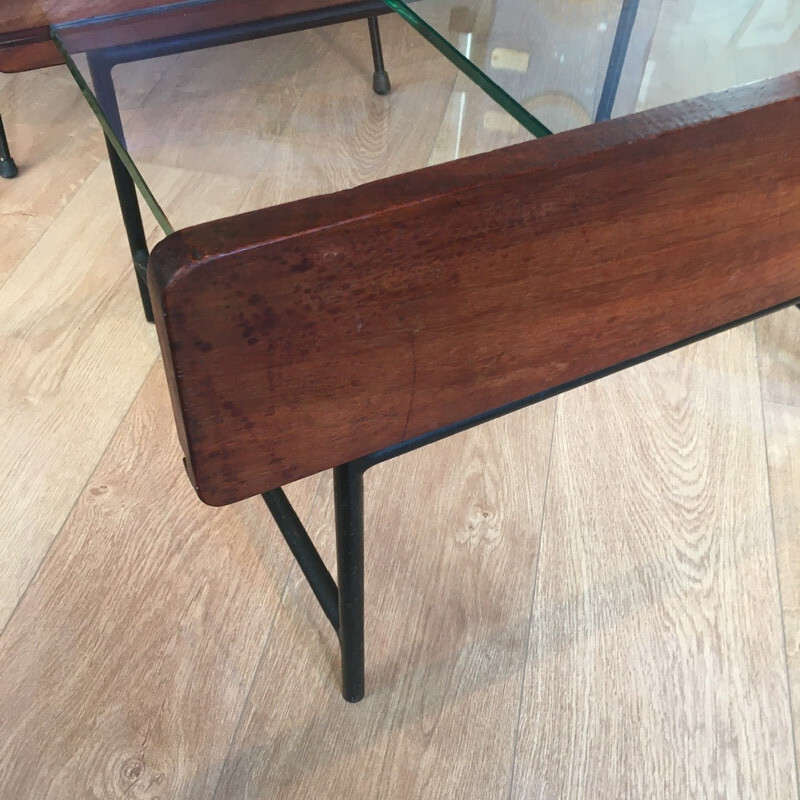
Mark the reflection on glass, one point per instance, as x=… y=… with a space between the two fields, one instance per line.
x=211 y=132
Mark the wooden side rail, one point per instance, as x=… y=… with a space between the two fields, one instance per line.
x=175 y=16
x=36 y=52
x=25 y=26
x=307 y=335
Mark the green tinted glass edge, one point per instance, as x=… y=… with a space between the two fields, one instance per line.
x=112 y=137
x=500 y=96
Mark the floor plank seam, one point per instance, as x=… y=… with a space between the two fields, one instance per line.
x=532 y=601
x=56 y=215
x=776 y=404
x=267 y=637
x=792 y=700
x=75 y=502
x=33 y=246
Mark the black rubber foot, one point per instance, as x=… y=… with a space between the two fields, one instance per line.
x=380 y=83
x=8 y=169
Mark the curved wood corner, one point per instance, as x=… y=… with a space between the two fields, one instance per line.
x=304 y=336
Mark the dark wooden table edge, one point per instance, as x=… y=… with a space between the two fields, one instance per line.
x=181 y=253
x=29 y=50
x=32 y=47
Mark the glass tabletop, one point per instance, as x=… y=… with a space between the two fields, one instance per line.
x=232 y=117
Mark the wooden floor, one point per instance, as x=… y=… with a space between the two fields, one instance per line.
x=598 y=597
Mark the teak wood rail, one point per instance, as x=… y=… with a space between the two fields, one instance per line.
x=25 y=25
x=330 y=331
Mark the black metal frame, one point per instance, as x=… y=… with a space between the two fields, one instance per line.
x=8 y=169
x=100 y=66
x=344 y=605
x=380 y=79
x=103 y=61
x=616 y=61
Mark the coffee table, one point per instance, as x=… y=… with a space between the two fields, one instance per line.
x=341 y=330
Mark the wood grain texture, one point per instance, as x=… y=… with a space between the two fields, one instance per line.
x=65 y=318
x=656 y=647
x=376 y=136
x=30 y=23
x=451 y=545
x=127 y=663
x=23 y=58
x=782 y=428
x=25 y=42
x=29 y=15
x=779 y=349
x=224 y=117
x=76 y=350
x=109 y=642
x=56 y=144
x=356 y=314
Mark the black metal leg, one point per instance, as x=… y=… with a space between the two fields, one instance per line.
x=619 y=49
x=348 y=489
x=343 y=604
x=100 y=71
x=8 y=169
x=308 y=559
x=132 y=217
x=380 y=78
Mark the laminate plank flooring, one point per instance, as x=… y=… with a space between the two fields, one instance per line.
x=656 y=642
x=584 y=599
x=782 y=426
x=55 y=143
x=75 y=354
x=451 y=542
x=376 y=136
x=779 y=350
x=220 y=123
x=66 y=316
x=126 y=665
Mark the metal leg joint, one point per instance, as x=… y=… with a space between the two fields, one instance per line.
x=306 y=555
x=343 y=604
x=348 y=493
